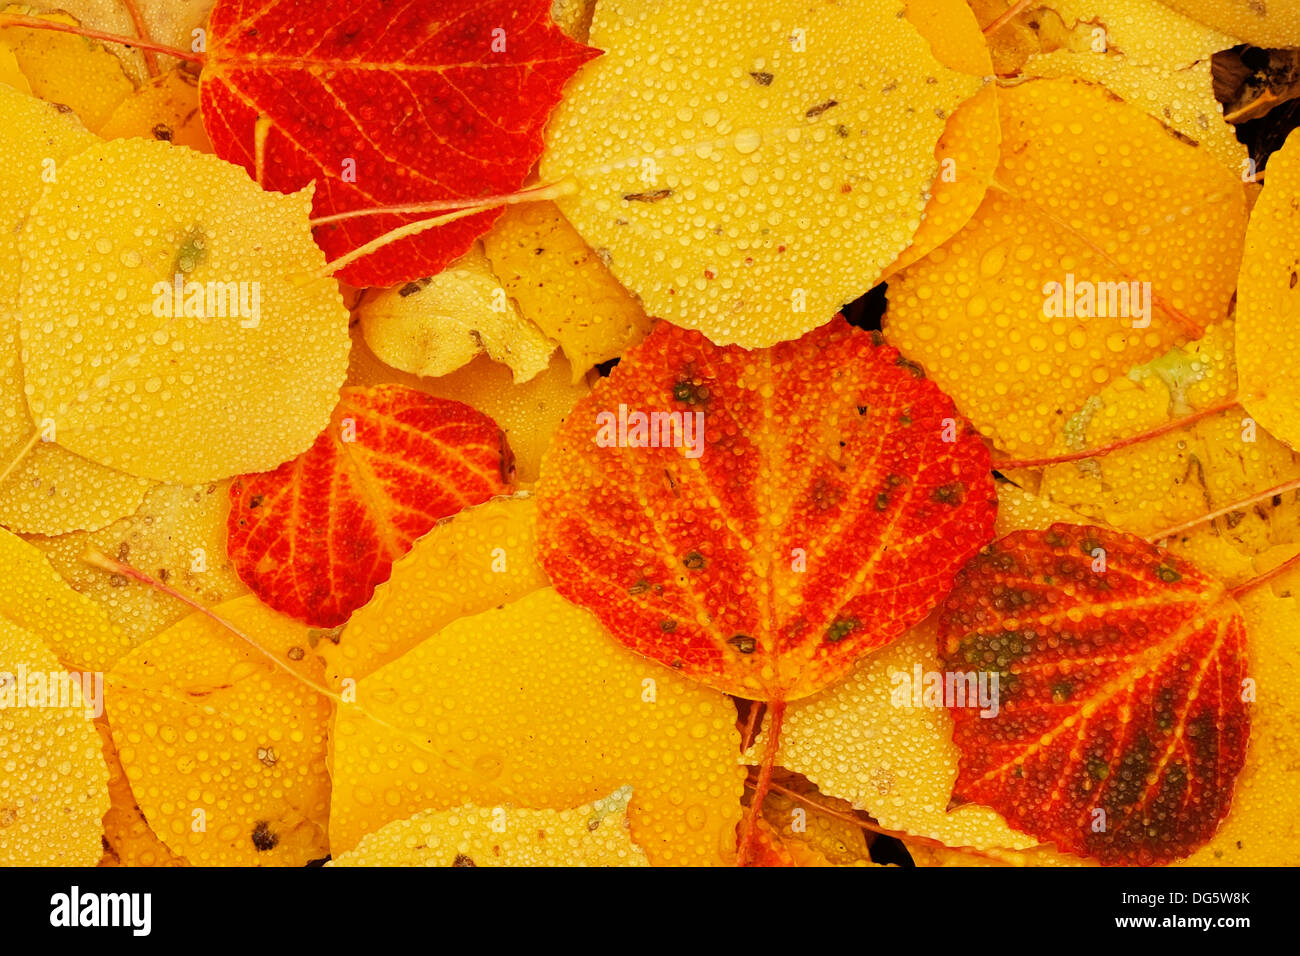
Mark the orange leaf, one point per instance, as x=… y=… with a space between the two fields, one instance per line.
x=1120 y=727
x=314 y=537
x=823 y=499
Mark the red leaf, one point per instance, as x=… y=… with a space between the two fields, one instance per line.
x=314 y=537
x=413 y=93
x=1118 y=691
x=825 y=516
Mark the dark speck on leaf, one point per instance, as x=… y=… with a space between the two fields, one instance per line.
x=263 y=838
x=743 y=643
x=693 y=561
x=462 y=860
x=762 y=79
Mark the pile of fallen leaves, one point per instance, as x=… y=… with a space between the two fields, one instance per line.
x=427 y=435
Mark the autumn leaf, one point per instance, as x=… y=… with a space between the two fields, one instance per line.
x=346 y=95
x=212 y=731
x=1268 y=352
x=985 y=314
x=54 y=789
x=594 y=834
x=749 y=194
x=1149 y=55
x=1257 y=22
x=1121 y=725
x=818 y=506
x=534 y=705
x=183 y=391
x=438 y=324
x=314 y=537
x=528 y=412
x=50 y=490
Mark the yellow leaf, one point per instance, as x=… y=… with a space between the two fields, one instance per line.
x=476 y=560
x=1161 y=482
x=896 y=762
x=924 y=854
x=750 y=192
x=51 y=490
x=54 y=788
x=165 y=107
x=968 y=150
x=1068 y=204
x=1151 y=56
x=1268 y=301
x=64 y=68
x=224 y=751
x=798 y=824
x=535 y=704
x=10 y=74
x=128 y=840
x=1274 y=23
x=435 y=326
x=594 y=834
x=178 y=534
x=561 y=285
x=185 y=399
x=34 y=597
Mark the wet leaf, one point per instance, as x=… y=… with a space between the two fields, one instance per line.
x=178 y=535
x=979 y=313
x=71 y=70
x=165 y=107
x=54 y=789
x=817 y=508
x=1268 y=351
x=437 y=325
x=224 y=750
x=528 y=412
x=1120 y=727
x=594 y=834
x=51 y=490
x=343 y=92
x=474 y=561
x=750 y=193
x=562 y=285
x=314 y=537
x=1257 y=22
x=128 y=839
x=535 y=705
x=184 y=399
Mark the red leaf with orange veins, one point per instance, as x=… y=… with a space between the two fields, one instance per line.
x=425 y=100
x=835 y=494
x=1120 y=725
x=314 y=537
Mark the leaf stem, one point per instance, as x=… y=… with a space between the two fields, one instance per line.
x=1247 y=586
x=1169 y=426
x=142 y=31
x=36 y=23
x=543 y=193
x=776 y=713
x=1283 y=488
x=102 y=561
x=1007 y=16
